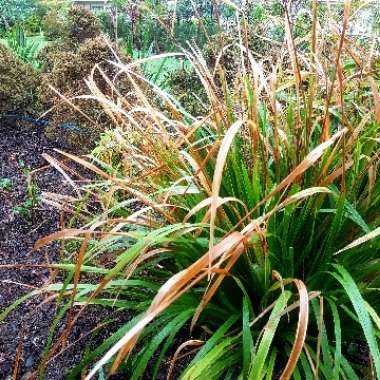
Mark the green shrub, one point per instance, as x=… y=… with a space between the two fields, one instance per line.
x=34 y=23
x=191 y=31
x=18 y=84
x=105 y=21
x=150 y=27
x=15 y=11
x=302 y=24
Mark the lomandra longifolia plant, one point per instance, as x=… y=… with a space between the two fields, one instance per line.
x=245 y=241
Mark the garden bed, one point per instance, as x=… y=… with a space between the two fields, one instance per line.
x=20 y=226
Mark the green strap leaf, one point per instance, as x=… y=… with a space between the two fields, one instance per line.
x=359 y=305
x=338 y=339
x=143 y=361
x=248 y=347
x=257 y=370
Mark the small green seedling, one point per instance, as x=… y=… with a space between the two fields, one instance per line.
x=21 y=164
x=27 y=209
x=5 y=184
x=24 y=210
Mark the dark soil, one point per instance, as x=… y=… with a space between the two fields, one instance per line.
x=20 y=227
x=23 y=333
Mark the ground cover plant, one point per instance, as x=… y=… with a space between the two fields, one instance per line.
x=246 y=240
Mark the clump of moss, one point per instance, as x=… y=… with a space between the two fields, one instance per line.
x=18 y=84
x=80 y=123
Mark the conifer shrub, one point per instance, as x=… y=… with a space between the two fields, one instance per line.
x=82 y=25
x=77 y=25
x=78 y=122
x=54 y=25
x=18 y=84
x=67 y=62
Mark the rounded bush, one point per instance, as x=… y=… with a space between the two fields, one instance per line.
x=18 y=84
x=82 y=25
x=78 y=122
x=54 y=25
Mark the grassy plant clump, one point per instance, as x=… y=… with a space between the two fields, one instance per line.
x=246 y=240
x=18 y=84
x=221 y=51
